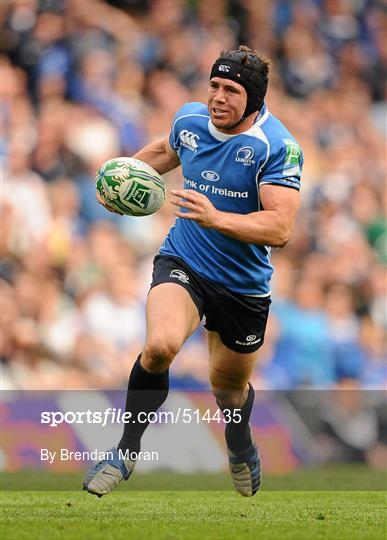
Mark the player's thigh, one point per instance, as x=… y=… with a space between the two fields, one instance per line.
x=229 y=370
x=171 y=317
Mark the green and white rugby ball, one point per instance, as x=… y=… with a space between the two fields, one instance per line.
x=130 y=186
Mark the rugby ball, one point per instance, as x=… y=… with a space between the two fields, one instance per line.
x=130 y=186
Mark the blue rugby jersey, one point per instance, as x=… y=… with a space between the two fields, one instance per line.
x=229 y=169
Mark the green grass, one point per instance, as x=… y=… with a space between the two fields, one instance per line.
x=328 y=478
x=193 y=515
x=190 y=515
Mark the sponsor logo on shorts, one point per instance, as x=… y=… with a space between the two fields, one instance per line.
x=252 y=339
x=180 y=275
x=211 y=176
x=245 y=155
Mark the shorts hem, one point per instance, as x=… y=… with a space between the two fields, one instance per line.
x=237 y=348
x=193 y=298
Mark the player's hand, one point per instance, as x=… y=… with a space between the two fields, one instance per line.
x=200 y=207
x=105 y=205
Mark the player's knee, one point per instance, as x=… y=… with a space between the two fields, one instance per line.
x=225 y=384
x=158 y=355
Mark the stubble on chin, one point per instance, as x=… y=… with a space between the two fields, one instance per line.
x=219 y=124
x=222 y=126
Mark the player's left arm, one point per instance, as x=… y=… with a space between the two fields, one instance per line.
x=271 y=226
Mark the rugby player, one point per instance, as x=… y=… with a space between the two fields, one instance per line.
x=241 y=170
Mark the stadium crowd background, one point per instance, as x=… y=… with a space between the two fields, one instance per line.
x=84 y=81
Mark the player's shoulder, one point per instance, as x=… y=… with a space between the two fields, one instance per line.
x=271 y=132
x=276 y=132
x=192 y=110
x=284 y=157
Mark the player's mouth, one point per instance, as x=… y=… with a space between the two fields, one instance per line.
x=218 y=113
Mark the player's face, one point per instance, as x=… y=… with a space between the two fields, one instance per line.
x=226 y=103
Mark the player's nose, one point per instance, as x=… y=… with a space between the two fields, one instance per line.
x=219 y=96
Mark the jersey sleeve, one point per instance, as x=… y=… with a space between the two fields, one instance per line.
x=284 y=165
x=174 y=136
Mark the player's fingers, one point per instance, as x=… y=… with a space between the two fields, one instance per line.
x=188 y=194
x=105 y=205
x=186 y=204
x=181 y=192
x=111 y=209
x=176 y=202
x=186 y=215
x=99 y=198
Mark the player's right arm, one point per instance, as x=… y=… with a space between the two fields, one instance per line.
x=159 y=155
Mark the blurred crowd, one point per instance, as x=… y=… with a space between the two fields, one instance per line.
x=84 y=81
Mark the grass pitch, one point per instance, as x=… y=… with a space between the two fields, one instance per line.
x=191 y=515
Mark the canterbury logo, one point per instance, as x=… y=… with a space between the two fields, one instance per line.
x=223 y=67
x=188 y=139
x=180 y=275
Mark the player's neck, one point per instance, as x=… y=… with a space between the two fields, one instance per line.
x=245 y=125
